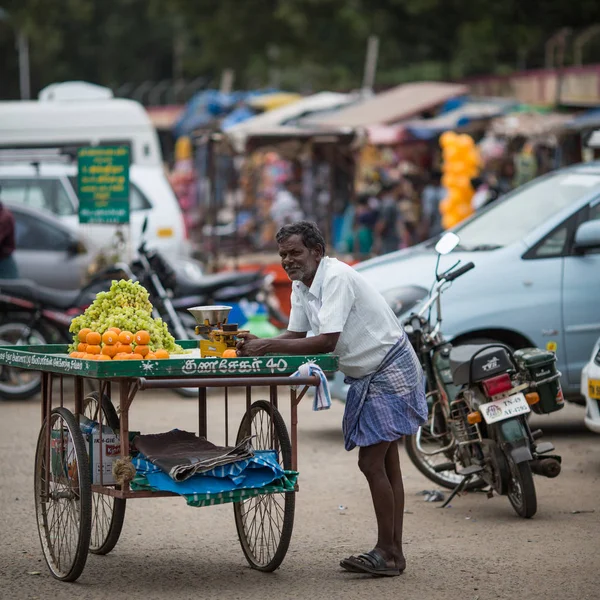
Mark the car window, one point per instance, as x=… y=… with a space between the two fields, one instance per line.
x=554 y=244
x=521 y=211
x=137 y=200
x=33 y=234
x=46 y=194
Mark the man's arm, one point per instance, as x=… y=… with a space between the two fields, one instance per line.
x=289 y=342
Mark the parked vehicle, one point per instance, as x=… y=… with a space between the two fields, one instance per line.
x=38 y=144
x=32 y=314
x=479 y=398
x=590 y=389
x=49 y=252
x=537 y=253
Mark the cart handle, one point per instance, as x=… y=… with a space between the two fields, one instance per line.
x=152 y=384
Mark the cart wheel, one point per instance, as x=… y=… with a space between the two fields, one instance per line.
x=264 y=523
x=108 y=513
x=63 y=496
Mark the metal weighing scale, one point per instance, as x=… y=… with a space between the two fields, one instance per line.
x=212 y=322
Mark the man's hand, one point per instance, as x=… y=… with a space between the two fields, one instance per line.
x=252 y=346
x=243 y=338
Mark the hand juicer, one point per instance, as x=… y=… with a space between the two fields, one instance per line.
x=212 y=322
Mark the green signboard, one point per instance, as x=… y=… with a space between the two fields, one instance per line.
x=103 y=182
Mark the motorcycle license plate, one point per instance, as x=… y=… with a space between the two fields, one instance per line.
x=594 y=388
x=504 y=409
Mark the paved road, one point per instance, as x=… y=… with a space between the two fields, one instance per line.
x=477 y=549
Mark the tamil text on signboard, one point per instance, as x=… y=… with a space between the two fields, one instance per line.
x=103 y=182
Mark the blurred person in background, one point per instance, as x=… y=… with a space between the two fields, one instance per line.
x=408 y=204
x=431 y=218
x=286 y=206
x=389 y=228
x=360 y=241
x=8 y=266
x=526 y=166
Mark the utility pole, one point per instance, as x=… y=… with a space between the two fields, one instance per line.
x=22 y=47
x=370 y=64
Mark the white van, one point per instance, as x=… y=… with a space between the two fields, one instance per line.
x=37 y=137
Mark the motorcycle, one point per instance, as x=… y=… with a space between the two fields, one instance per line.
x=35 y=315
x=477 y=436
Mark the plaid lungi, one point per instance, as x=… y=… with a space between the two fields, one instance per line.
x=386 y=404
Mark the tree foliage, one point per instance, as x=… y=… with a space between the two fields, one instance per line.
x=298 y=44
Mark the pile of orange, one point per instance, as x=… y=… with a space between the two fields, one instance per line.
x=115 y=344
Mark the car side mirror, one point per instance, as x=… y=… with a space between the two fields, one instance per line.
x=75 y=247
x=587 y=237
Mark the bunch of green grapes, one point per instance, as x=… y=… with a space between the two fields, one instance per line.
x=126 y=306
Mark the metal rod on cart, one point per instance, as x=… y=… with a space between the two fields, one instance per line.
x=124 y=413
x=294 y=408
x=47 y=409
x=202 y=425
x=226 y=416
x=78 y=395
x=151 y=384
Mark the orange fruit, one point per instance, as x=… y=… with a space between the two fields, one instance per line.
x=93 y=349
x=110 y=351
x=162 y=353
x=80 y=354
x=115 y=329
x=110 y=337
x=230 y=353
x=126 y=337
x=118 y=345
x=94 y=338
x=82 y=347
x=83 y=334
x=143 y=350
x=150 y=356
x=142 y=337
x=125 y=349
x=87 y=356
x=121 y=356
x=135 y=356
x=73 y=354
x=103 y=357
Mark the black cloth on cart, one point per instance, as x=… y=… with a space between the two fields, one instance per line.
x=182 y=454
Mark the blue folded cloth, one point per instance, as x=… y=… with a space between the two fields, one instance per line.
x=322 y=399
x=258 y=471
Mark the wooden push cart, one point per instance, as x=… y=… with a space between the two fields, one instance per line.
x=75 y=516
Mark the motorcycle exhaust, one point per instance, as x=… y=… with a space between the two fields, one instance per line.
x=548 y=467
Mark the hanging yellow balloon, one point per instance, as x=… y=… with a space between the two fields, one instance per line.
x=447 y=138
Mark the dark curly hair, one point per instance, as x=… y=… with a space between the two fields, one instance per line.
x=312 y=237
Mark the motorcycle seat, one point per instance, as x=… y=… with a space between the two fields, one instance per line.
x=487 y=360
x=45 y=296
x=212 y=283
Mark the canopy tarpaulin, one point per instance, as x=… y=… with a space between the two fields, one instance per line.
x=529 y=124
x=469 y=112
x=399 y=103
x=273 y=119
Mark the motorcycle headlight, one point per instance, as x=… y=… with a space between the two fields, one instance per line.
x=403 y=299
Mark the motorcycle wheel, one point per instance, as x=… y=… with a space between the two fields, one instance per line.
x=19 y=384
x=521 y=489
x=427 y=463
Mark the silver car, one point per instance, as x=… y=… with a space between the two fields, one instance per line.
x=536 y=280
x=48 y=251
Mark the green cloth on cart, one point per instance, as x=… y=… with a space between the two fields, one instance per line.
x=282 y=485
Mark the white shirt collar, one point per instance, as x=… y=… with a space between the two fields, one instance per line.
x=317 y=284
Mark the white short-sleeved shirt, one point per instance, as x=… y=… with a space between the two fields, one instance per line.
x=341 y=300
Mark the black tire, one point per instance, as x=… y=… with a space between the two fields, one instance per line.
x=108 y=513
x=282 y=506
x=71 y=502
x=448 y=479
x=521 y=489
x=19 y=384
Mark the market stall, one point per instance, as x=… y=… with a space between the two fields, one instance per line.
x=89 y=462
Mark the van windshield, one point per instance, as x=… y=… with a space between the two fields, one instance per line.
x=525 y=209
